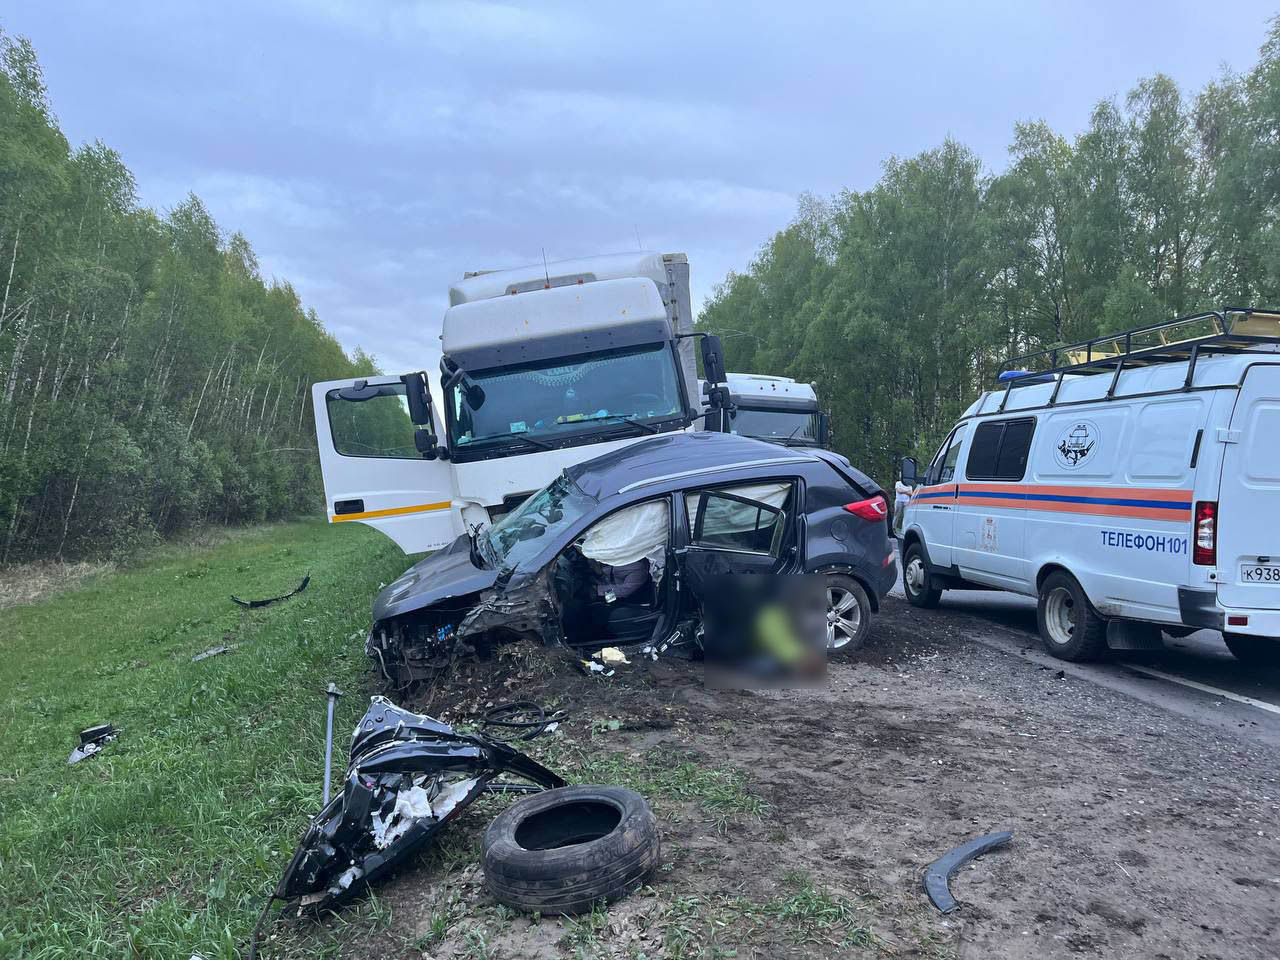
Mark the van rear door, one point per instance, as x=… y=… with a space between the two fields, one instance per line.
x=1249 y=496
x=373 y=471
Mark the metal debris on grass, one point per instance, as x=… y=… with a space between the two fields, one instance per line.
x=92 y=740
x=284 y=596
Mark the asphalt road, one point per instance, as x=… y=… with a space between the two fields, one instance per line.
x=1195 y=676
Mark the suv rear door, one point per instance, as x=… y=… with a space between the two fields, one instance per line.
x=373 y=472
x=1248 y=557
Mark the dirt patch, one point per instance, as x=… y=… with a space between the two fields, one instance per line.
x=1136 y=833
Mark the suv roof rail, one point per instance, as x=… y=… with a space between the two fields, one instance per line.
x=1228 y=330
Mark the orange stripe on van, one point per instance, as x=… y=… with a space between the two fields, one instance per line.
x=391 y=512
x=1148 y=503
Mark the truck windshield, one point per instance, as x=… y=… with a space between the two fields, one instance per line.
x=564 y=395
x=798 y=425
x=521 y=534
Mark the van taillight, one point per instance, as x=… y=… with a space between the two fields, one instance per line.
x=876 y=508
x=1205 y=551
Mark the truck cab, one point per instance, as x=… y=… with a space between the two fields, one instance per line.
x=541 y=367
x=776 y=409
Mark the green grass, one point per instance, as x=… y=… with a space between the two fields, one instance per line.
x=165 y=844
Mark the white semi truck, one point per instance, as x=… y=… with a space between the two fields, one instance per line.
x=777 y=409
x=542 y=367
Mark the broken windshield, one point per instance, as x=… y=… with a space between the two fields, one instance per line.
x=520 y=534
x=556 y=397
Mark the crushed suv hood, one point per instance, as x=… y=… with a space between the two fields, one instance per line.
x=446 y=573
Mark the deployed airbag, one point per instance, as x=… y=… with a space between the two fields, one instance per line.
x=635 y=533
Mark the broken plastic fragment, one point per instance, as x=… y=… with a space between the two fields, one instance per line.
x=92 y=740
x=612 y=655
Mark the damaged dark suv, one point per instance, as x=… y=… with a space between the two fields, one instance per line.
x=618 y=550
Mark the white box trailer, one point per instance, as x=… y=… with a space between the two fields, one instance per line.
x=542 y=367
x=1132 y=486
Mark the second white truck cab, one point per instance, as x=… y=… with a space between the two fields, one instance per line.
x=777 y=409
x=1132 y=486
x=542 y=367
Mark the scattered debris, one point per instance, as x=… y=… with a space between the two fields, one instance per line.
x=611 y=655
x=332 y=693
x=525 y=716
x=565 y=850
x=91 y=741
x=940 y=871
x=284 y=596
x=408 y=776
x=213 y=652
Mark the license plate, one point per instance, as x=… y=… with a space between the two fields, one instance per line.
x=1260 y=573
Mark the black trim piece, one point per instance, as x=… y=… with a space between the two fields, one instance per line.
x=1199 y=608
x=1195 y=451
x=774 y=403
x=348 y=506
x=939 y=872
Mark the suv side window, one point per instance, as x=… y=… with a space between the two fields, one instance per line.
x=746 y=518
x=999 y=450
x=943 y=468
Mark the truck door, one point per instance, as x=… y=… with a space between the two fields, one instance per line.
x=373 y=471
x=1248 y=560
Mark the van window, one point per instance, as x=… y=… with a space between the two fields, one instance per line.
x=999 y=450
x=943 y=469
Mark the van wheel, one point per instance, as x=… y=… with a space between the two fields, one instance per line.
x=1259 y=651
x=1069 y=626
x=848 y=614
x=915 y=579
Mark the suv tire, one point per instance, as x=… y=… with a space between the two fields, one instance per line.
x=915 y=570
x=1259 y=651
x=1070 y=628
x=848 y=614
x=564 y=850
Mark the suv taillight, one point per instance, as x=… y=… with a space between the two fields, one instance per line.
x=875 y=508
x=1204 y=551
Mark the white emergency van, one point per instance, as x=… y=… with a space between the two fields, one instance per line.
x=1132 y=484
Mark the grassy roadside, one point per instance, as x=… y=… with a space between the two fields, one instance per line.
x=164 y=844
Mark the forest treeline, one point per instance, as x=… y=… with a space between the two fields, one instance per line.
x=150 y=379
x=900 y=302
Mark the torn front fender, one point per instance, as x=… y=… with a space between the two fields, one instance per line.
x=408 y=775
x=529 y=609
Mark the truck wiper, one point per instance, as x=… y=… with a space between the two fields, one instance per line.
x=523 y=437
x=614 y=416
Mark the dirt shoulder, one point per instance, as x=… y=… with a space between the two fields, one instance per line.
x=799 y=823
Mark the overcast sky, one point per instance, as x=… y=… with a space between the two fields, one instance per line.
x=372 y=151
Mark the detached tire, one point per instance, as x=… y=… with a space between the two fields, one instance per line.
x=561 y=851
x=1070 y=628
x=1256 y=651
x=916 y=583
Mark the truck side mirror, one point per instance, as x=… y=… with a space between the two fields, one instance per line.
x=713 y=359
x=419 y=399
x=908 y=471
x=824 y=429
x=426 y=443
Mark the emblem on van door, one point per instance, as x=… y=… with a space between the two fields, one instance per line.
x=1077 y=443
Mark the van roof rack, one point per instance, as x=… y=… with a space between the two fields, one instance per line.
x=1229 y=330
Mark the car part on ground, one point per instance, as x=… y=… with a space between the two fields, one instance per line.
x=92 y=740
x=525 y=720
x=941 y=870
x=567 y=849
x=284 y=596
x=214 y=652
x=332 y=693
x=408 y=775
x=1069 y=626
